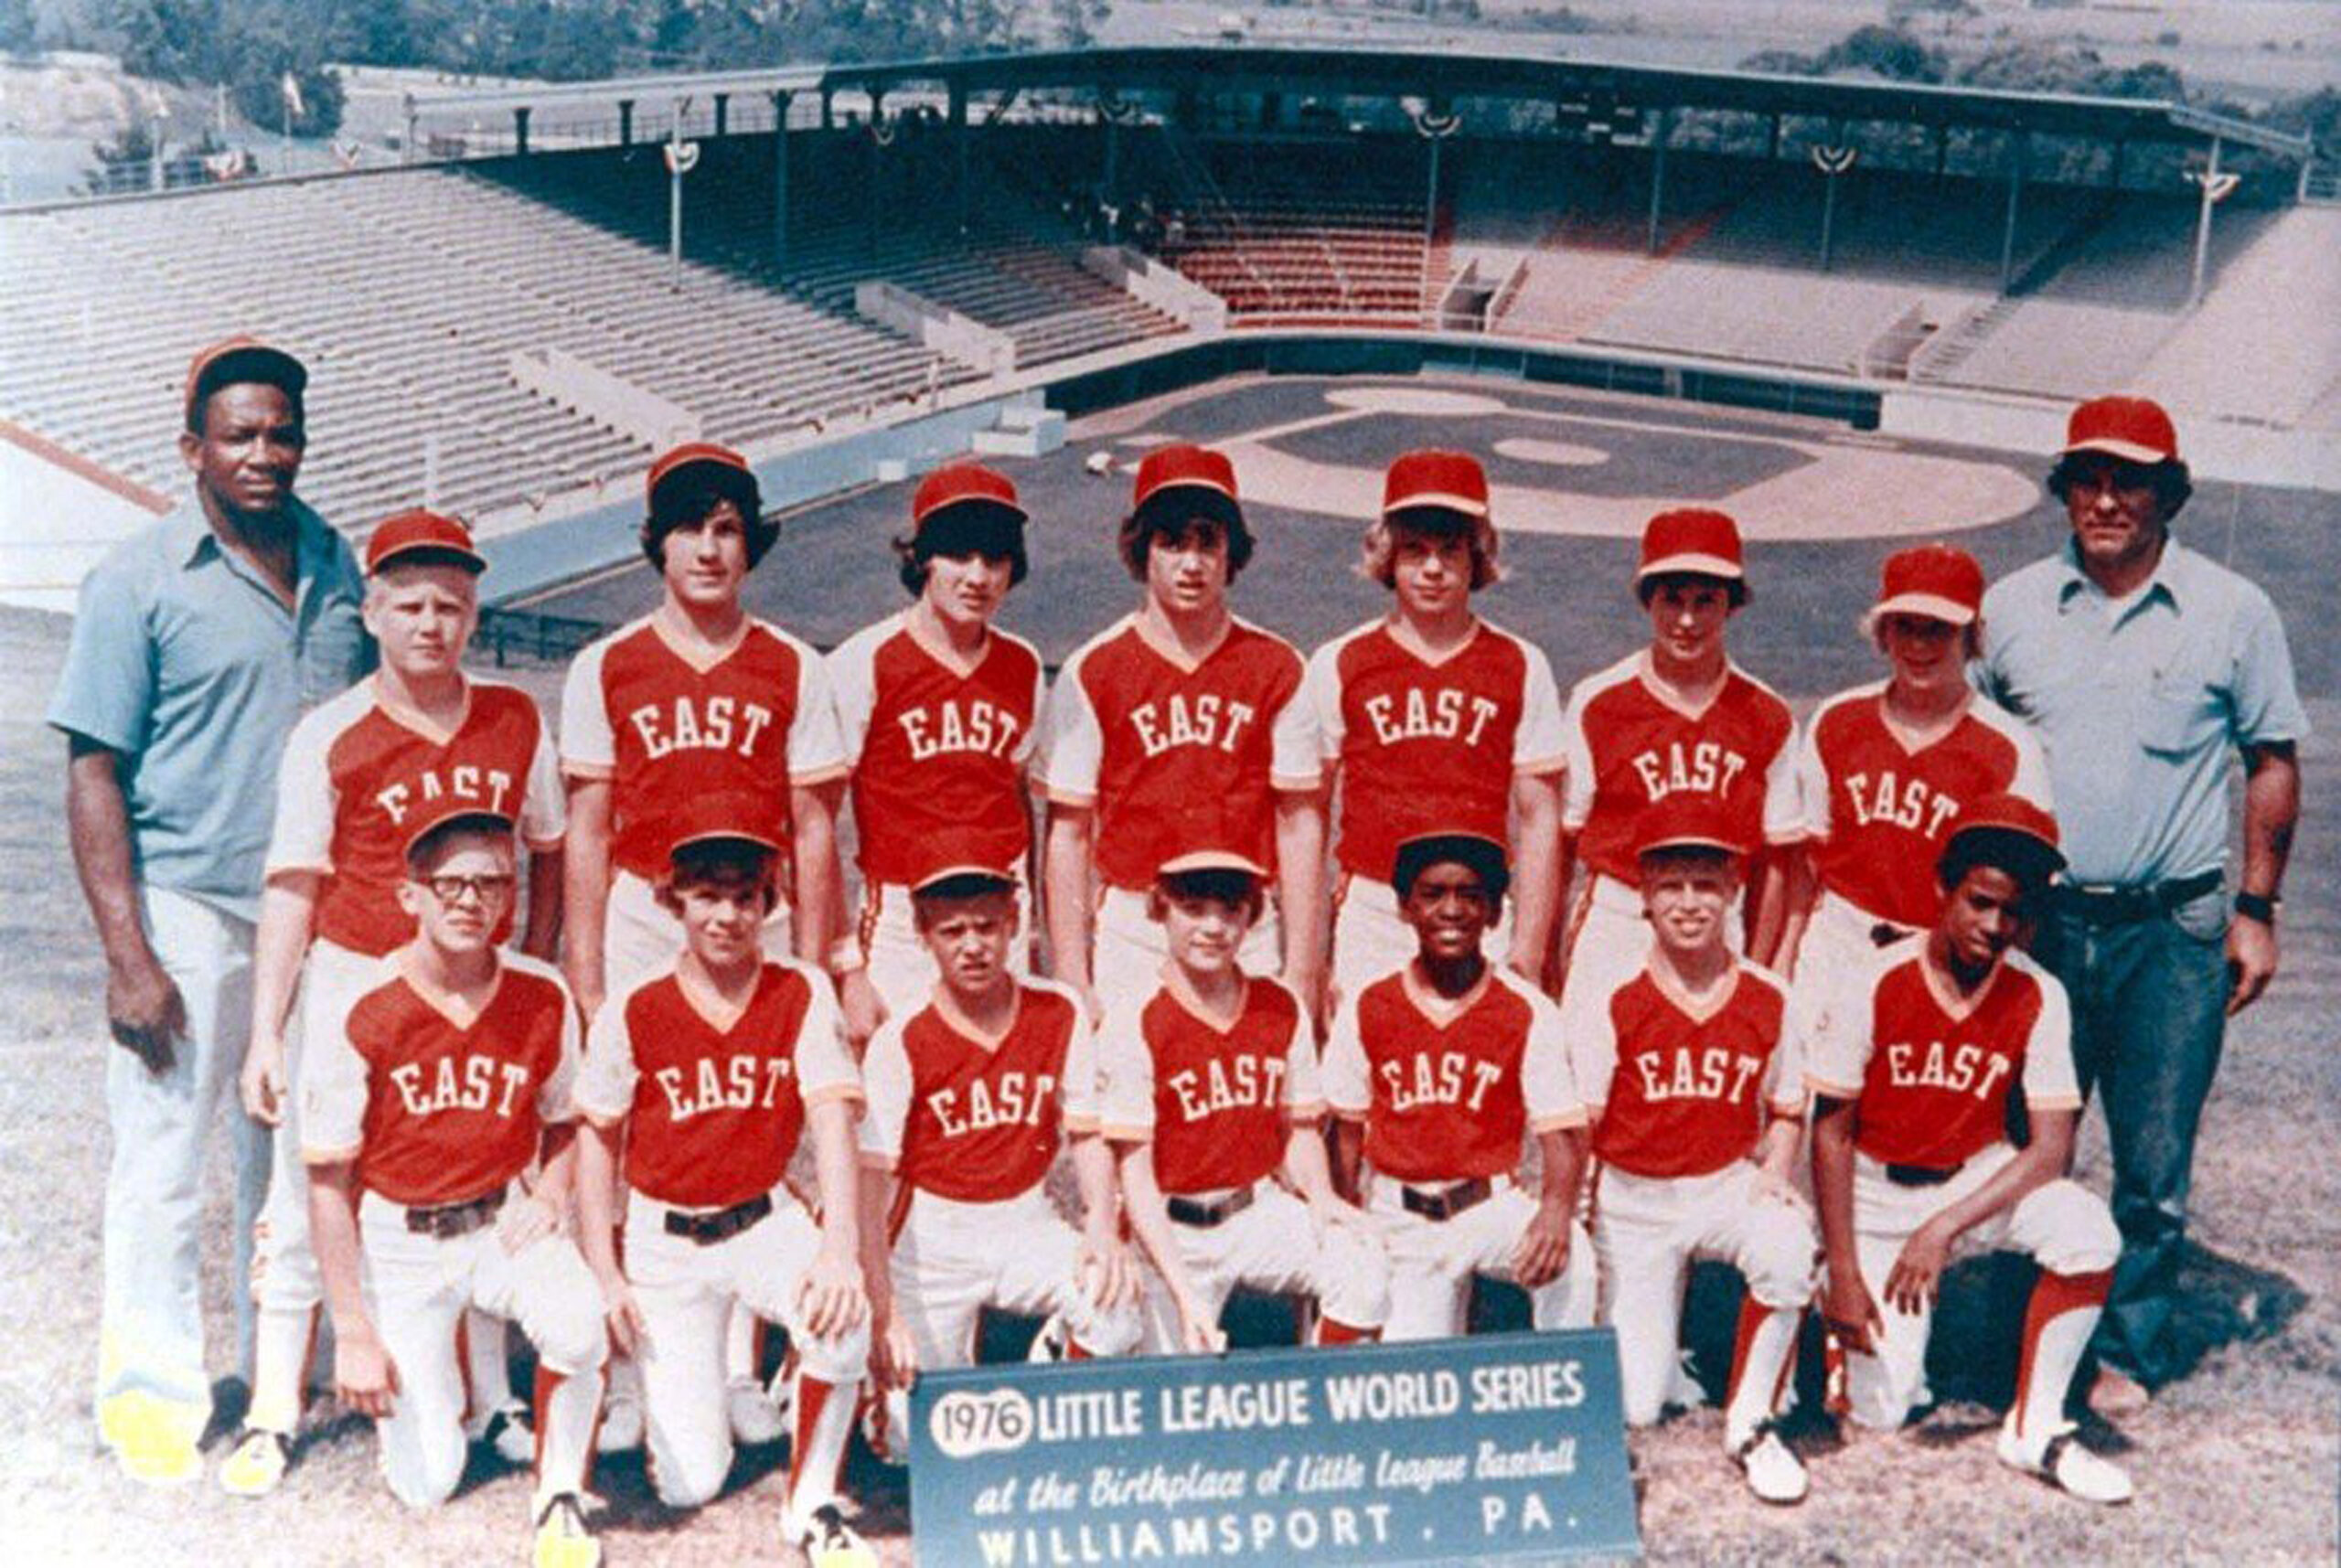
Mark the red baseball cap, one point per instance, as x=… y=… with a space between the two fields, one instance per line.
x=956 y=854
x=1930 y=580
x=241 y=359
x=417 y=532
x=1693 y=539
x=440 y=811
x=1214 y=859
x=2137 y=428
x=2008 y=814
x=1431 y=478
x=2026 y=836
x=1419 y=851
x=960 y=484
x=692 y=454
x=722 y=816
x=1184 y=467
x=1687 y=820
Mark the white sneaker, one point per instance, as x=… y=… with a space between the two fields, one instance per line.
x=2071 y=1468
x=828 y=1542
x=1054 y=1342
x=621 y=1429
x=1774 y=1472
x=510 y=1431
x=756 y=1417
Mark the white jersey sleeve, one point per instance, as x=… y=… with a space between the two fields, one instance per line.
x=1125 y=1068
x=886 y=1084
x=2050 y=1082
x=331 y=1085
x=1591 y=1033
x=1343 y=1073
x=1304 y=1079
x=825 y=1066
x=1076 y=747
x=1835 y=1021
x=1812 y=778
x=1541 y=744
x=1577 y=748
x=1784 y=799
x=605 y=1085
x=1547 y=1085
x=1296 y=760
x=544 y=807
x=1321 y=685
x=1082 y=1109
x=815 y=755
x=853 y=687
x=588 y=749
x=302 y=839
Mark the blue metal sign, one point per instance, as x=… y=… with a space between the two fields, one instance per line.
x=1494 y=1448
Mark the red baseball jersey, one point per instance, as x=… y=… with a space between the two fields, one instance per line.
x=1878 y=812
x=1630 y=747
x=663 y=720
x=1679 y=1087
x=1933 y=1070
x=932 y=747
x=1173 y=755
x=713 y=1094
x=1426 y=745
x=356 y=770
x=437 y=1103
x=1216 y=1102
x=974 y=1120
x=1446 y=1094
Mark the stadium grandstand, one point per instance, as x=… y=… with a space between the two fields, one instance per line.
x=559 y=280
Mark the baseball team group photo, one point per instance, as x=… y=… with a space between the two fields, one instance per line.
x=652 y=815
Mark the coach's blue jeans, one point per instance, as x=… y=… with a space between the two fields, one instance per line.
x=2148 y=1014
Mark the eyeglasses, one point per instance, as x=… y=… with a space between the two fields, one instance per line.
x=485 y=889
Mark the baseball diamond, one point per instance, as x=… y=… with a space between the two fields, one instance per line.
x=1241 y=727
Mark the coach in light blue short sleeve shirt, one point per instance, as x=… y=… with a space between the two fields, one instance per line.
x=184 y=662
x=2169 y=680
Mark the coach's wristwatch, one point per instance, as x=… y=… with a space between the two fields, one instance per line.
x=2261 y=907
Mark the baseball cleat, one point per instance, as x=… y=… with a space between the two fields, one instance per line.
x=153 y=1440
x=2070 y=1468
x=1774 y=1472
x=621 y=1429
x=563 y=1538
x=1054 y=1342
x=756 y=1415
x=828 y=1542
x=510 y=1430
x=256 y=1467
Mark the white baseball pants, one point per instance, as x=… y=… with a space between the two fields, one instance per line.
x=687 y=1291
x=2061 y=1225
x=1273 y=1245
x=1647 y=1231
x=1432 y=1262
x=952 y=1260
x=416 y=1287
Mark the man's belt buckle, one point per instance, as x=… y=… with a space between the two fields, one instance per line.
x=1922 y=1174
x=451 y=1220
x=1202 y=1216
x=706 y=1230
x=1445 y=1202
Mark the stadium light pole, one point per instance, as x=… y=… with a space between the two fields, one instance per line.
x=680 y=156
x=2215 y=186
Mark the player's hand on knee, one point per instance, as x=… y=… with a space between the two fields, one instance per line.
x=145 y=1013
x=260 y=1084
x=1543 y=1250
x=526 y=1222
x=365 y=1378
x=624 y=1315
x=863 y=1009
x=1916 y=1275
x=830 y=1299
x=1851 y=1313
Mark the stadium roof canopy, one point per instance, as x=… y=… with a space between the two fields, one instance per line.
x=1443 y=75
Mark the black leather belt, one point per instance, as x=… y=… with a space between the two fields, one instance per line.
x=1204 y=1216
x=1446 y=1202
x=722 y=1224
x=1922 y=1174
x=2128 y=905
x=456 y=1219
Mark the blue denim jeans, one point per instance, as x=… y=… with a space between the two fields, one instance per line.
x=2149 y=1016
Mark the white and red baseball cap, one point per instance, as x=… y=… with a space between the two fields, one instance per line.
x=722 y=465
x=1692 y=541
x=1930 y=580
x=418 y=535
x=1687 y=820
x=723 y=816
x=957 y=856
x=1188 y=475
x=2007 y=831
x=447 y=810
x=963 y=485
x=1451 y=480
x=2137 y=430
x=1215 y=857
